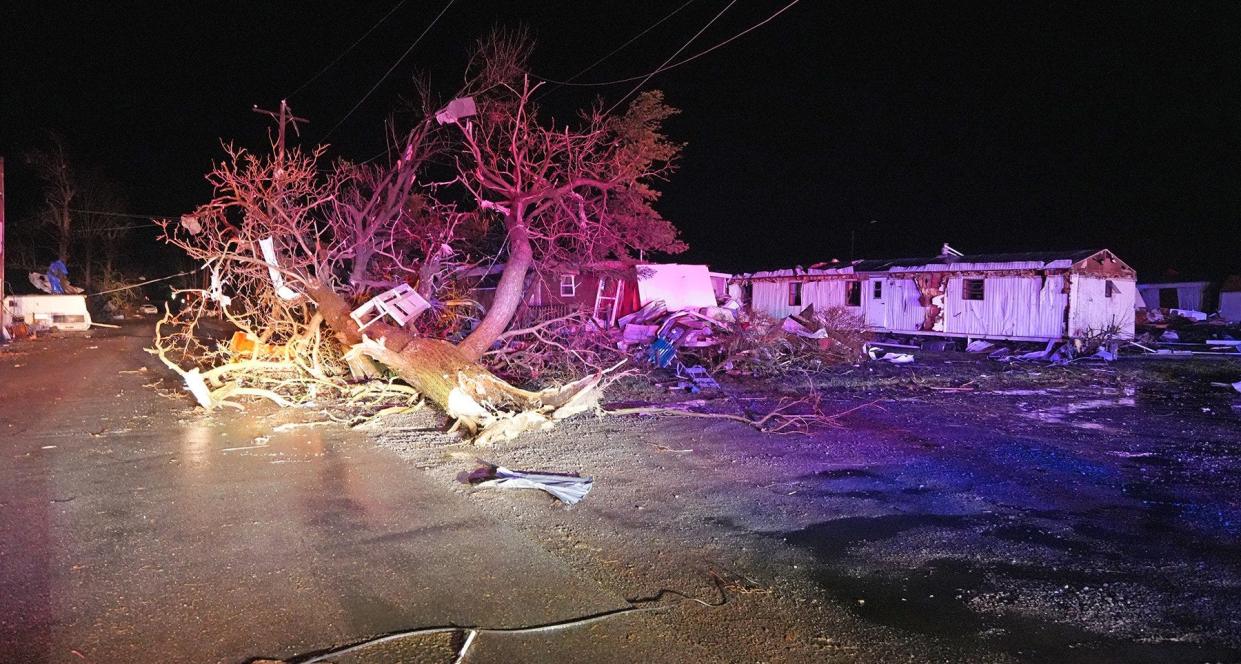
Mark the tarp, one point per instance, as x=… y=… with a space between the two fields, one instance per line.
x=679 y=286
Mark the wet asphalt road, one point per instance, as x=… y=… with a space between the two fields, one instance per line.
x=133 y=528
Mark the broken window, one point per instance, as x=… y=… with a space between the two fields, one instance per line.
x=853 y=294
x=1108 y=288
x=794 y=293
x=972 y=289
x=568 y=285
x=878 y=293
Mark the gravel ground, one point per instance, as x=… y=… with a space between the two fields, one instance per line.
x=1082 y=514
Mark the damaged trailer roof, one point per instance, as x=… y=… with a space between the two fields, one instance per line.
x=1031 y=260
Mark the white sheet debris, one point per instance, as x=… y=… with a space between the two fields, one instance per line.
x=195 y=384
x=888 y=356
x=569 y=489
x=461 y=107
x=273 y=268
x=217 y=288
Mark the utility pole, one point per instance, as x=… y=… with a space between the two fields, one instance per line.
x=4 y=308
x=282 y=117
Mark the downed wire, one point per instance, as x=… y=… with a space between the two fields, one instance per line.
x=472 y=633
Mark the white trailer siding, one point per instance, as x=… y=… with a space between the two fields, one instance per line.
x=899 y=307
x=1094 y=311
x=772 y=296
x=64 y=312
x=1012 y=307
x=1230 y=306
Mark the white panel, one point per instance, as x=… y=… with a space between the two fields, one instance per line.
x=1093 y=311
x=1230 y=305
x=903 y=310
x=679 y=286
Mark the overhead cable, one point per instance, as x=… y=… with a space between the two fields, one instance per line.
x=674 y=65
x=389 y=72
x=671 y=57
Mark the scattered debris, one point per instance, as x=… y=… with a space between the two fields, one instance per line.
x=876 y=353
x=569 y=489
x=268 y=247
x=402 y=304
x=1189 y=314
x=979 y=346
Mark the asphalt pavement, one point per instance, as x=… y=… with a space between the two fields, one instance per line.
x=134 y=527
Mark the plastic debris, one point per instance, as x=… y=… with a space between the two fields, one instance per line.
x=457 y=109
x=569 y=489
x=888 y=356
x=696 y=379
x=979 y=346
x=401 y=304
x=196 y=386
x=217 y=288
x=268 y=247
x=1188 y=313
x=191 y=224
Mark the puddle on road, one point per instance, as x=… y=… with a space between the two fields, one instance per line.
x=1061 y=414
x=208 y=443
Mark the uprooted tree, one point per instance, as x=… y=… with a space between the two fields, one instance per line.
x=518 y=188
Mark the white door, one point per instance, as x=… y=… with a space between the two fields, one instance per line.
x=875 y=302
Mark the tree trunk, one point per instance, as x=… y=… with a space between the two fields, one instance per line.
x=480 y=401
x=65 y=233
x=509 y=292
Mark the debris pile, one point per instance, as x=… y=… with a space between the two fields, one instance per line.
x=807 y=341
x=686 y=343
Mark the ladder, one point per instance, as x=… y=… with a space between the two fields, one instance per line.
x=608 y=303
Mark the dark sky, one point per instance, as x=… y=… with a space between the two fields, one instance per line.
x=992 y=126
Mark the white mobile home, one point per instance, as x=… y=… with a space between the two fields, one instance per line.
x=1230 y=299
x=1195 y=295
x=1028 y=297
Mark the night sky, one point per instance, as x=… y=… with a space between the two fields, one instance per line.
x=992 y=126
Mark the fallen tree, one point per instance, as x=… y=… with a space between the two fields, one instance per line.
x=290 y=248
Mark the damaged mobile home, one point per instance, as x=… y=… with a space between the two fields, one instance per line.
x=607 y=290
x=1036 y=296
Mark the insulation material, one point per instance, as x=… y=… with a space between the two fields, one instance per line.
x=679 y=286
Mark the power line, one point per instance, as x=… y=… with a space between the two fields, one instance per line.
x=348 y=50
x=389 y=72
x=674 y=65
x=119 y=228
x=148 y=281
x=130 y=215
x=620 y=48
x=670 y=58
